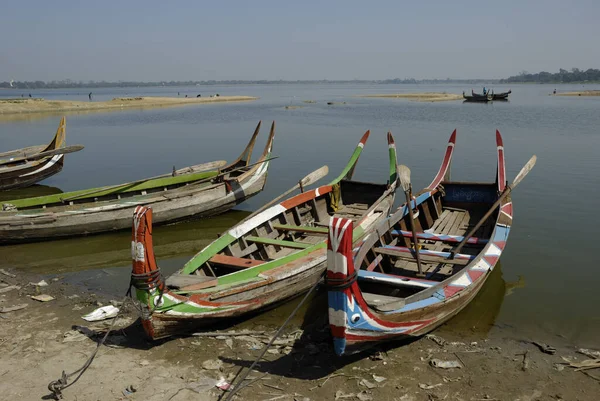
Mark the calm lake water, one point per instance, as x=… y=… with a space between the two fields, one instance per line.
x=548 y=282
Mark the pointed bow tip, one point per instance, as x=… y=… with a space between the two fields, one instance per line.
x=453 y=136
x=390 y=138
x=365 y=137
x=498 y=138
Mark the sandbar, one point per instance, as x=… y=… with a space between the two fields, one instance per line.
x=38 y=105
x=420 y=97
x=582 y=93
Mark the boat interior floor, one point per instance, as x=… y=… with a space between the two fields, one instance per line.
x=393 y=269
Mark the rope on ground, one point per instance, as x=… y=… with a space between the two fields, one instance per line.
x=57 y=386
x=264 y=351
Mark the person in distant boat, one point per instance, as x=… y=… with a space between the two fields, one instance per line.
x=90 y=96
x=484 y=91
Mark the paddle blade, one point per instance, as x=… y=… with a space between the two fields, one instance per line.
x=70 y=149
x=404 y=173
x=314 y=176
x=524 y=171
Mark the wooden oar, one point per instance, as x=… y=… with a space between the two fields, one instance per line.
x=224 y=173
x=524 y=171
x=42 y=155
x=306 y=181
x=198 y=169
x=404 y=173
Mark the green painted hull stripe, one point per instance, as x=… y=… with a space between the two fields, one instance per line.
x=393 y=165
x=349 y=166
x=150 y=184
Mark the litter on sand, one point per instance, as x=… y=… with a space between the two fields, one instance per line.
x=103 y=313
x=6 y=309
x=42 y=297
x=438 y=363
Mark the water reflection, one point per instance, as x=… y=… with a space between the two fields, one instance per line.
x=481 y=313
x=176 y=241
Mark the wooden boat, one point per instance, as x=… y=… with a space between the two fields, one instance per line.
x=24 y=167
x=270 y=257
x=477 y=98
x=379 y=295
x=192 y=192
x=496 y=96
x=501 y=95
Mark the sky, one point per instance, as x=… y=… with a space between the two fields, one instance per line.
x=250 y=40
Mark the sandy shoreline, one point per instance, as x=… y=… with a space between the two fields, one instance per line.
x=21 y=106
x=581 y=93
x=40 y=340
x=419 y=97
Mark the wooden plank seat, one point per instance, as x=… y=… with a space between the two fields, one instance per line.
x=190 y=282
x=234 y=262
x=301 y=229
x=441 y=237
x=394 y=280
x=427 y=256
x=278 y=242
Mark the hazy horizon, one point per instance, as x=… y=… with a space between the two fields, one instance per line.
x=159 y=41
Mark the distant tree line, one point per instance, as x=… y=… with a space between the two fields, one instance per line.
x=67 y=83
x=575 y=75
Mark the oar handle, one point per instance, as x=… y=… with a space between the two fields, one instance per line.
x=306 y=181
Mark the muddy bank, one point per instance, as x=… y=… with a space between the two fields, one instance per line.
x=19 y=106
x=581 y=93
x=420 y=97
x=38 y=340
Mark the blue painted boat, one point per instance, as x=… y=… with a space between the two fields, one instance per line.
x=376 y=291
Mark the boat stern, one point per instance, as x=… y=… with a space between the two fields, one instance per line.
x=339 y=278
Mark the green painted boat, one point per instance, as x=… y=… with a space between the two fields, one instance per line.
x=272 y=256
x=192 y=192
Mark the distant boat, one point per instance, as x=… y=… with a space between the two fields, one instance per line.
x=477 y=98
x=501 y=96
x=495 y=96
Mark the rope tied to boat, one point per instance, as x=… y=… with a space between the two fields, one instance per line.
x=335 y=196
x=147 y=280
x=442 y=190
x=340 y=284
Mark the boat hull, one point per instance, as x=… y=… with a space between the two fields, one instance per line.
x=252 y=301
x=30 y=175
x=187 y=194
x=24 y=173
x=169 y=207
